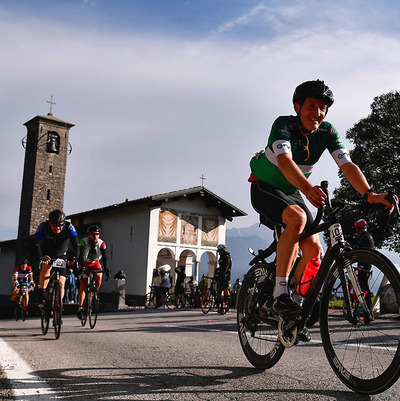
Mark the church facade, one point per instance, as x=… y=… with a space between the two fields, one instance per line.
x=161 y=231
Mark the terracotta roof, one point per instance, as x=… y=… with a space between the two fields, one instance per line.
x=228 y=210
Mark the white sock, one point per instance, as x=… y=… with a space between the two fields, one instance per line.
x=281 y=286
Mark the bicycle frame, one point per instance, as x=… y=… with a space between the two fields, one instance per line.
x=54 y=303
x=360 y=340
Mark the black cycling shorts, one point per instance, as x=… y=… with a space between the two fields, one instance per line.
x=270 y=202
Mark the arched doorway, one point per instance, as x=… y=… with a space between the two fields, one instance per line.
x=207 y=265
x=166 y=261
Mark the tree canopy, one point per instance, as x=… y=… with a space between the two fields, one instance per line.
x=376 y=140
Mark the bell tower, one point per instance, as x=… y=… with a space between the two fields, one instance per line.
x=46 y=150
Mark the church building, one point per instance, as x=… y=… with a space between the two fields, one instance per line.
x=168 y=230
x=179 y=228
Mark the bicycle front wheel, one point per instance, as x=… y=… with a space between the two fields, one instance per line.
x=257 y=328
x=364 y=354
x=57 y=309
x=223 y=301
x=170 y=301
x=150 y=300
x=207 y=301
x=93 y=309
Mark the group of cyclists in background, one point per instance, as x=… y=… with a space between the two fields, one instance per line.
x=56 y=239
x=187 y=292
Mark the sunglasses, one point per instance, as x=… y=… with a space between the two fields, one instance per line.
x=305 y=143
x=58 y=225
x=95 y=233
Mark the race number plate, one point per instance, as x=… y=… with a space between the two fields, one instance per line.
x=59 y=263
x=336 y=234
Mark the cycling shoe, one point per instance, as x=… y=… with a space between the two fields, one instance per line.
x=285 y=305
x=304 y=335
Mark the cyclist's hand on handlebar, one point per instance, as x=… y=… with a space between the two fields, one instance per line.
x=380 y=198
x=316 y=196
x=45 y=260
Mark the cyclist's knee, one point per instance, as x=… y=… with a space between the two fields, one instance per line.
x=294 y=218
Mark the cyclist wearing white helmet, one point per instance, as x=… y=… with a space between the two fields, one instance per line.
x=91 y=258
x=280 y=173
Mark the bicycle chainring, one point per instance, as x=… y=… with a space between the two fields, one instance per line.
x=287 y=332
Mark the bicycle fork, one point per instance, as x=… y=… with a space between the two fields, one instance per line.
x=366 y=314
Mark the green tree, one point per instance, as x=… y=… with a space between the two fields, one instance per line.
x=376 y=140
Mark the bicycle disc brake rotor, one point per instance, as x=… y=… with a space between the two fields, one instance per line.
x=287 y=332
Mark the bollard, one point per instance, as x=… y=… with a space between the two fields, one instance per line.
x=119 y=291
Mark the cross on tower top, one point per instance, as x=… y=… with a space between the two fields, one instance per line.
x=51 y=105
x=202 y=178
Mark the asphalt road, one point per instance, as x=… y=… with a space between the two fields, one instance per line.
x=160 y=355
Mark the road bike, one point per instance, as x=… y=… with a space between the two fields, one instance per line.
x=361 y=341
x=213 y=296
x=152 y=299
x=52 y=309
x=184 y=300
x=91 y=302
x=21 y=302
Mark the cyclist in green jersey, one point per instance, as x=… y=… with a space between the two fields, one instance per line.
x=281 y=172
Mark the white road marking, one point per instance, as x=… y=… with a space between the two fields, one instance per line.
x=25 y=384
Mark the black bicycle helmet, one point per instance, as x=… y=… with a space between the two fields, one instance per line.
x=93 y=229
x=24 y=262
x=57 y=217
x=316 y=89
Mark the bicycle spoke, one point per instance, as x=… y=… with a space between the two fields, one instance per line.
x=364 y=354
x=57 y=309
x=258 y=335
x=93 y=307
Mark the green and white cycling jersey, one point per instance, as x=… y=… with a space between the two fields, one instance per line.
x=305 y=151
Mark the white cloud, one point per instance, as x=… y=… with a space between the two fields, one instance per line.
x=153 y=113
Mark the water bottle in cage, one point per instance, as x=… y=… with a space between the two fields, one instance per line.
x=308 y=276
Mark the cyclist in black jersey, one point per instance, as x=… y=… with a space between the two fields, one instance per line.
x=52 y=239
x=364 y=240
x=280 y=173
x=223 y=271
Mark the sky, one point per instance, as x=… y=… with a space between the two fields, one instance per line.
x=162 y=92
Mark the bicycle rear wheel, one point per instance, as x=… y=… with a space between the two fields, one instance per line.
x=257 y=329
x=57 y=309
x=93 y=309
x=45 y=317
x=17 y=311
x=207 y=301
x=23 y=308
x=365 y=355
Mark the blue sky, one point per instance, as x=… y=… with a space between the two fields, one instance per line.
x=161 y=92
